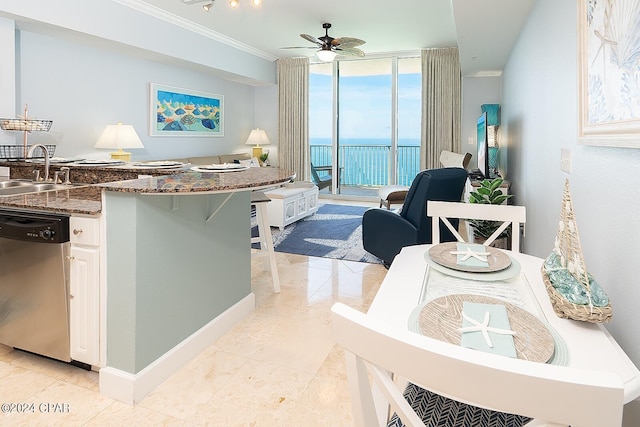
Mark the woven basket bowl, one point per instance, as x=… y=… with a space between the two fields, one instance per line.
x=568 y=310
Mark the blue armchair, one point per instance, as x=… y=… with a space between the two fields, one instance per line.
x=385 y=233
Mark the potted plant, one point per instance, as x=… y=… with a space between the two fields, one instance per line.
x=263 y=158
x=489 y=193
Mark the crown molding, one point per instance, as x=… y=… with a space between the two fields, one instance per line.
x=156 y=12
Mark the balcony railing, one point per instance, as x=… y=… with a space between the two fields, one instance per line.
x=370 y=165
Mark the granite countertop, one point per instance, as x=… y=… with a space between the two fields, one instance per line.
x=79 y=200
x=198 y=182
x=86 y=199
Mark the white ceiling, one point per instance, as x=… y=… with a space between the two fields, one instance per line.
x=484 y=30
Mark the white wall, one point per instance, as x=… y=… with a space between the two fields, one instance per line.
x=475 y=92
x=7 y=75
x=84 y=88
x=539 y=117
x=113 y=24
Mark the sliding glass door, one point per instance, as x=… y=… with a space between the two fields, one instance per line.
x=364 y=123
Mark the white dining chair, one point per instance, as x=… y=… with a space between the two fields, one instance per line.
x=510 y=215
x=468 y=387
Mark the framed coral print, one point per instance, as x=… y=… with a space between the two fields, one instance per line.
x=183 y=112
x=609 y=72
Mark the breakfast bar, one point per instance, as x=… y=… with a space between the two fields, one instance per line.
x=171 y=258
x=178 y=269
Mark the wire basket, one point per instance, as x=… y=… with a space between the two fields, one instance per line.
x=28 y=125
x=17 y=152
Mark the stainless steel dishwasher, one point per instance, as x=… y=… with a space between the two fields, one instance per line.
x=34 y=282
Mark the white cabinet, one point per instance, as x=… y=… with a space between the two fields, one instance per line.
x=84 y=303
x=291 y=203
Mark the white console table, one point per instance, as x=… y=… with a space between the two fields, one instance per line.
x=291 y=203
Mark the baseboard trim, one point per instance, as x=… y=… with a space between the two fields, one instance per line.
x=132 y=388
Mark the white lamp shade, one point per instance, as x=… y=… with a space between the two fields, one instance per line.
x=258 y=137
x=119 y=136
x=325 y=55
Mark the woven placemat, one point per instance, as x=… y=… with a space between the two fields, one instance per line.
x=441 y=253
x=441 y=318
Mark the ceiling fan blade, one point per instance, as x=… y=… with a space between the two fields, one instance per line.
x=347 y=45
x=311 y=39
x=351 y=51
x=350 y=41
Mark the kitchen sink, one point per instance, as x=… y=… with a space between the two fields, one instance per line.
x=16 y=187
x=15 y=183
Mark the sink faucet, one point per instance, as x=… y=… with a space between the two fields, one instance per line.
x=64 y=171
x=46 y=158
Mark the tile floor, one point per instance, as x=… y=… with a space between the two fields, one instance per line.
x=278 y=367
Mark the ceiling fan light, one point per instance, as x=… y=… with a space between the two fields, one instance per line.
x=325 y=55
x=256 y=3
x=233 y=3
x=207 y=7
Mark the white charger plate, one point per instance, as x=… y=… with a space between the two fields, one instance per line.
x=158 y=164
x=99 y=162
x=227 y=167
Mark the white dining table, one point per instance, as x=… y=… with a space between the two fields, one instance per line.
x=589 y=346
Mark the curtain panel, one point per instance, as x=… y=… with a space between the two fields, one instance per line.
x=441 y=104
x=293 y=118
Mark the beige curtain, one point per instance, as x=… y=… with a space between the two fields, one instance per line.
x=293 y=117
x=441 y=104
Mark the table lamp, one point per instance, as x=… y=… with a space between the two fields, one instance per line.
x=257 y=137
x=119 y=136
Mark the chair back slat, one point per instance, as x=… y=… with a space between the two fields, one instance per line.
x=545 y=392
x=509 y=215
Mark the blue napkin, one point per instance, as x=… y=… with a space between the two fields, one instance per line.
x=502 y=344
x=471 y=261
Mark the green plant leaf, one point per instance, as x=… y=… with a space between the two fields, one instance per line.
x=484 y=191
x=475 y=198
x=500 y=199
x=496 y=183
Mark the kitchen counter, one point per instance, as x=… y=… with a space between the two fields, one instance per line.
x=79 y=200
x=87 y=199
x=202 y=182
x=168 y=275
x=178 y=267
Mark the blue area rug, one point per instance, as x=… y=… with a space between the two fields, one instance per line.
x=334 y=231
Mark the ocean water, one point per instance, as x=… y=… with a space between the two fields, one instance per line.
x=366 y=161
x=366 y=141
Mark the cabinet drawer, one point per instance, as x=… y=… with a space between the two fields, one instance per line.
x=84 y=231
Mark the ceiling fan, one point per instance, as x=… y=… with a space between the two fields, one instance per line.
x=328 y=47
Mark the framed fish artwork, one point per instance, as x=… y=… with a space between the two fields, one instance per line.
x=183 y=112
x=609 y=72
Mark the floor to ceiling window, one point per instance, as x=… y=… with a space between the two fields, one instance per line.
x=364 y=123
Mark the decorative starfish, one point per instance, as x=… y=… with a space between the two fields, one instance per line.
x=468 y=253
x=484 y=328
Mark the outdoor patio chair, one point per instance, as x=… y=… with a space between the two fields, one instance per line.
x=324 y=181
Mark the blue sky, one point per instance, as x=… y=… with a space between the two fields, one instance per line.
x=365 y=106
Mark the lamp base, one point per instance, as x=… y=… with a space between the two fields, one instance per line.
x=121 y=155
x=257 y=152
